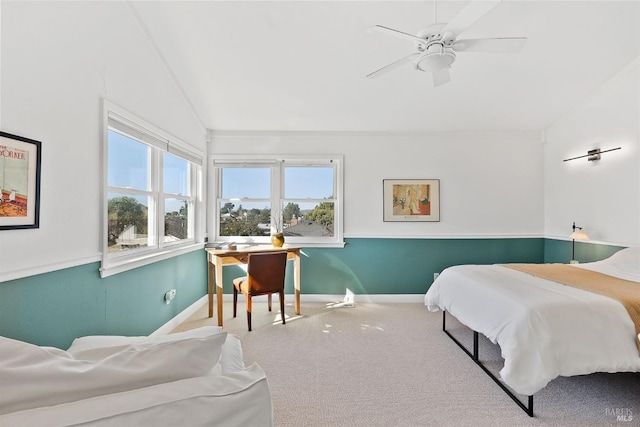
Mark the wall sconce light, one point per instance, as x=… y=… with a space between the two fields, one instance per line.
x=593 y=154
x=578 y=234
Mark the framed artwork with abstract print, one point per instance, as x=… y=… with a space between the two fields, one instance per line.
x=19 y=182
x=411 y=199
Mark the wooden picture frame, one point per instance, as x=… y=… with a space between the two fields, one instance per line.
x=409 y=200
x=20 y=160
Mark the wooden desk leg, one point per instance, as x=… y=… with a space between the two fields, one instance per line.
x=296 y=282
x=210 y=289
x=219 y=290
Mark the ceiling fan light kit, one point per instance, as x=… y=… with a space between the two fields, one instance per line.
x=437 y=44
x=435 y=58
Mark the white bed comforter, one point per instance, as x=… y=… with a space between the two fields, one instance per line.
x=544 y=329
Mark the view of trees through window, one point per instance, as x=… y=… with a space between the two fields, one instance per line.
x=297 y=219
x=128 y=223
x=125 y=212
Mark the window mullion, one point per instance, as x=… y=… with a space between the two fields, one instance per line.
x=127 y=190
x=277 y=192
x=157 y=200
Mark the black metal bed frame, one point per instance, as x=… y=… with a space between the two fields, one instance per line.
x=474 y=356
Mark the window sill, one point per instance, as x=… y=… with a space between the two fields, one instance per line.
x=114 y=267
x=319 y=245
x=290 y=242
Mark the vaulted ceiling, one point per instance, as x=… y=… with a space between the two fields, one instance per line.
x=302 y=65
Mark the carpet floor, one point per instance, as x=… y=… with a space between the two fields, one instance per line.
x=380 y=364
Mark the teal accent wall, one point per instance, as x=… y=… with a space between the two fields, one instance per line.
x=54 y=308
x=560 y=251
x=403 y=266
x=395 y=266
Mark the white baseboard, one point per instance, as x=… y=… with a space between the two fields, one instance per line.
x=382 y=298
x=181 y=317
x=360 y=298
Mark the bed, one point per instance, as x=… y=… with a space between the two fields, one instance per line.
x=194 y=378
x=545 y=328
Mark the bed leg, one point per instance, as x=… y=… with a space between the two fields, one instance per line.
x=474 y=356
x=475 y=346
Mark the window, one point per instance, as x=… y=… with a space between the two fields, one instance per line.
x=150 y=193
x=300 y=197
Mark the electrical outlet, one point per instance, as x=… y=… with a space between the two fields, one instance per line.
x=435 y=276
x=169 y=295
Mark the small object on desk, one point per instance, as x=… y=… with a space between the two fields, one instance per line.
x=222 y=245
x=232 y=247
x=277 y=240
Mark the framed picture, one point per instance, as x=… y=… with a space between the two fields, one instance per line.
x=19 y=182
x=411 y=199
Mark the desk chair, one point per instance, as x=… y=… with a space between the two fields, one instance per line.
x=265 y=276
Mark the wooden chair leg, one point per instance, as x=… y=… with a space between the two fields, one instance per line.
x=249 y=311
x=282 y=306
x=269 y=299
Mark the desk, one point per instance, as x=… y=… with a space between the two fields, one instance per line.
x=218 y=258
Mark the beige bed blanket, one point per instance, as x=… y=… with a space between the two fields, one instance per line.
x=624 y=291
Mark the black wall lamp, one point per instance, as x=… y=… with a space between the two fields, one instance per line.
x=593 y=154
x=578 y=234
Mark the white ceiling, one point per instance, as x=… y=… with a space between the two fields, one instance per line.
x=301 y=65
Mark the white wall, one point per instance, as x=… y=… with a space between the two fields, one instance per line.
x=491 y=184
x=59 y=60
x=601 y=196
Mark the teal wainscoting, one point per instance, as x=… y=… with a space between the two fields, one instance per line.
x=54 y=308
x=560 y=251
x=403 y=266
x=395 y=266
x=406 y=266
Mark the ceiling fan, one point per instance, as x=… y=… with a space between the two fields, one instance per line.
x=438 y=44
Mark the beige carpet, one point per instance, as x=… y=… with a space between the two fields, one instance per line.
x=391 y=365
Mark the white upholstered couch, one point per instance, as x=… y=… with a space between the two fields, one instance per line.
x=194 y=378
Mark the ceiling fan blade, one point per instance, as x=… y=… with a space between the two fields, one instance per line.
x=472 y=12
x=494 y=45
x=393 y=65
x=441 y=76
x=391 y=31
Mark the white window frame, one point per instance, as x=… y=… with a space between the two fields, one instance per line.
x=116 y=118
x=277 y=165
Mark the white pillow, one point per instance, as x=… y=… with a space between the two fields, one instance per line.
x=231 y=358
x=624 y=264
x=33 y=376
x=100 y=346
